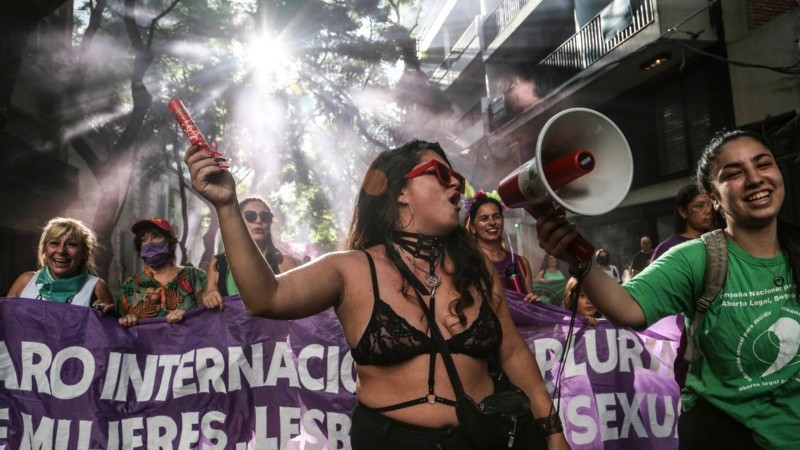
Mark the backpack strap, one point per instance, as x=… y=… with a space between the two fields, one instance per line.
x=222 y=274
x=714 y=280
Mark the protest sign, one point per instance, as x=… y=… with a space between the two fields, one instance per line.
x=71 y=378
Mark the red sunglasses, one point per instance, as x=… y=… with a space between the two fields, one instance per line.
x=443 y=173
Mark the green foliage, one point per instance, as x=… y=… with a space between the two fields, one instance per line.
x=301 y=136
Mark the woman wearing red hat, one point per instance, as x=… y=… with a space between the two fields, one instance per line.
x=162 y=288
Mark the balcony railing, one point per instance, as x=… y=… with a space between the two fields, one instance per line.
x=501 y=17
x=587 y=46
x=469 y=39
x=469 y=119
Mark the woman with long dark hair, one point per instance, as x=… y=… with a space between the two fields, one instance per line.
x=258 y=217
x=486 y=224
x=405 y=224
x=743 y=392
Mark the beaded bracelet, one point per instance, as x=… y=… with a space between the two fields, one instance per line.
x=550 y=425
x=583 y=269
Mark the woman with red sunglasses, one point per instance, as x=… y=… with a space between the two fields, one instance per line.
x=258 y=217
x=406 y=253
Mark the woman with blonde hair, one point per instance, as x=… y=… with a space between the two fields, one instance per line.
x=66 y=268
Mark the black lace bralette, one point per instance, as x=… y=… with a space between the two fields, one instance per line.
x=390 y=339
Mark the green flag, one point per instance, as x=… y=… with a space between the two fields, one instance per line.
x=551 y=292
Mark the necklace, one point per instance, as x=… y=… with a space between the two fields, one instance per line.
x=432 y=279
x=429 y=248
x=777 y=278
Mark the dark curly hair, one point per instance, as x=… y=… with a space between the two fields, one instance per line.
x=376 y=213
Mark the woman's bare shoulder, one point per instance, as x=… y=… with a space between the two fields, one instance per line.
x=20 y=283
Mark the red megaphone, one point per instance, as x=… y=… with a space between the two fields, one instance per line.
x=583 y=162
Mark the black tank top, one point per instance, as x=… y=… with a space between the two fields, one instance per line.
x=390 y=339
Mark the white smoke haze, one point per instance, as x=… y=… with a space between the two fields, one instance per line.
x=237 y=96
x=521 y=95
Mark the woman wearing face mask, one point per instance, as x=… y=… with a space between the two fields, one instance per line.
x=604 y=261
x=259 y=223
x=66 y=265
x=162 y=288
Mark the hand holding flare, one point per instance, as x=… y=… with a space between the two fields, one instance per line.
x=193 y=133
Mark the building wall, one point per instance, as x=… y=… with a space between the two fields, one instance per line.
x=760 y=93
x=760 y=12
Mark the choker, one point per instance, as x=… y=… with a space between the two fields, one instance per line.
x=428 y=248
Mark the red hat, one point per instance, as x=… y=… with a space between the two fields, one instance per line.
x=158 y=222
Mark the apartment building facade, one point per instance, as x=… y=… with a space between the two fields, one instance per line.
x=668 y=73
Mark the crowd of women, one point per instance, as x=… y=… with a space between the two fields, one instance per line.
x=67 y=269
x=410 y=271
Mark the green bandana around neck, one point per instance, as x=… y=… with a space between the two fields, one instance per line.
x=60 y=290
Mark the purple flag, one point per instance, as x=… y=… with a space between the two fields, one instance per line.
x=74 y=379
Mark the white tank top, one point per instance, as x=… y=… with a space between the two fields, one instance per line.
x=82 y=298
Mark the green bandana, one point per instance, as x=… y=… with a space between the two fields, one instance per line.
x=60 y=290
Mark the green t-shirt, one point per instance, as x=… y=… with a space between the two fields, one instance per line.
x=749 y=337
x=230 y=285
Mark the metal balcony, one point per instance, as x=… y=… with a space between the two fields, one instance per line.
x=463 y=52
x=469 y=128
x=584 y=48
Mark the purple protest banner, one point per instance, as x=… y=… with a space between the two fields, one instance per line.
x=617 y=386
x=73 y=379
x=70 y=378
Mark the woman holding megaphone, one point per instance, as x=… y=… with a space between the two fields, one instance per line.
x=743 y=391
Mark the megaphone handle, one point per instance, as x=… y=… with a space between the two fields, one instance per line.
x=580 y=248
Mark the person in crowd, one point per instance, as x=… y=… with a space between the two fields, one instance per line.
x=162 y=288
x=604 y=261
x=405 y=224
x=485 y=223
x=744 y=387
x=575 y=295
x=642 y=258
x=66 y=268
x=549 y=270
x=258 y=217
x=692 y=218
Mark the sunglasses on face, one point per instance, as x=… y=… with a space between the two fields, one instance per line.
x=251 y=216
x=443 y=173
